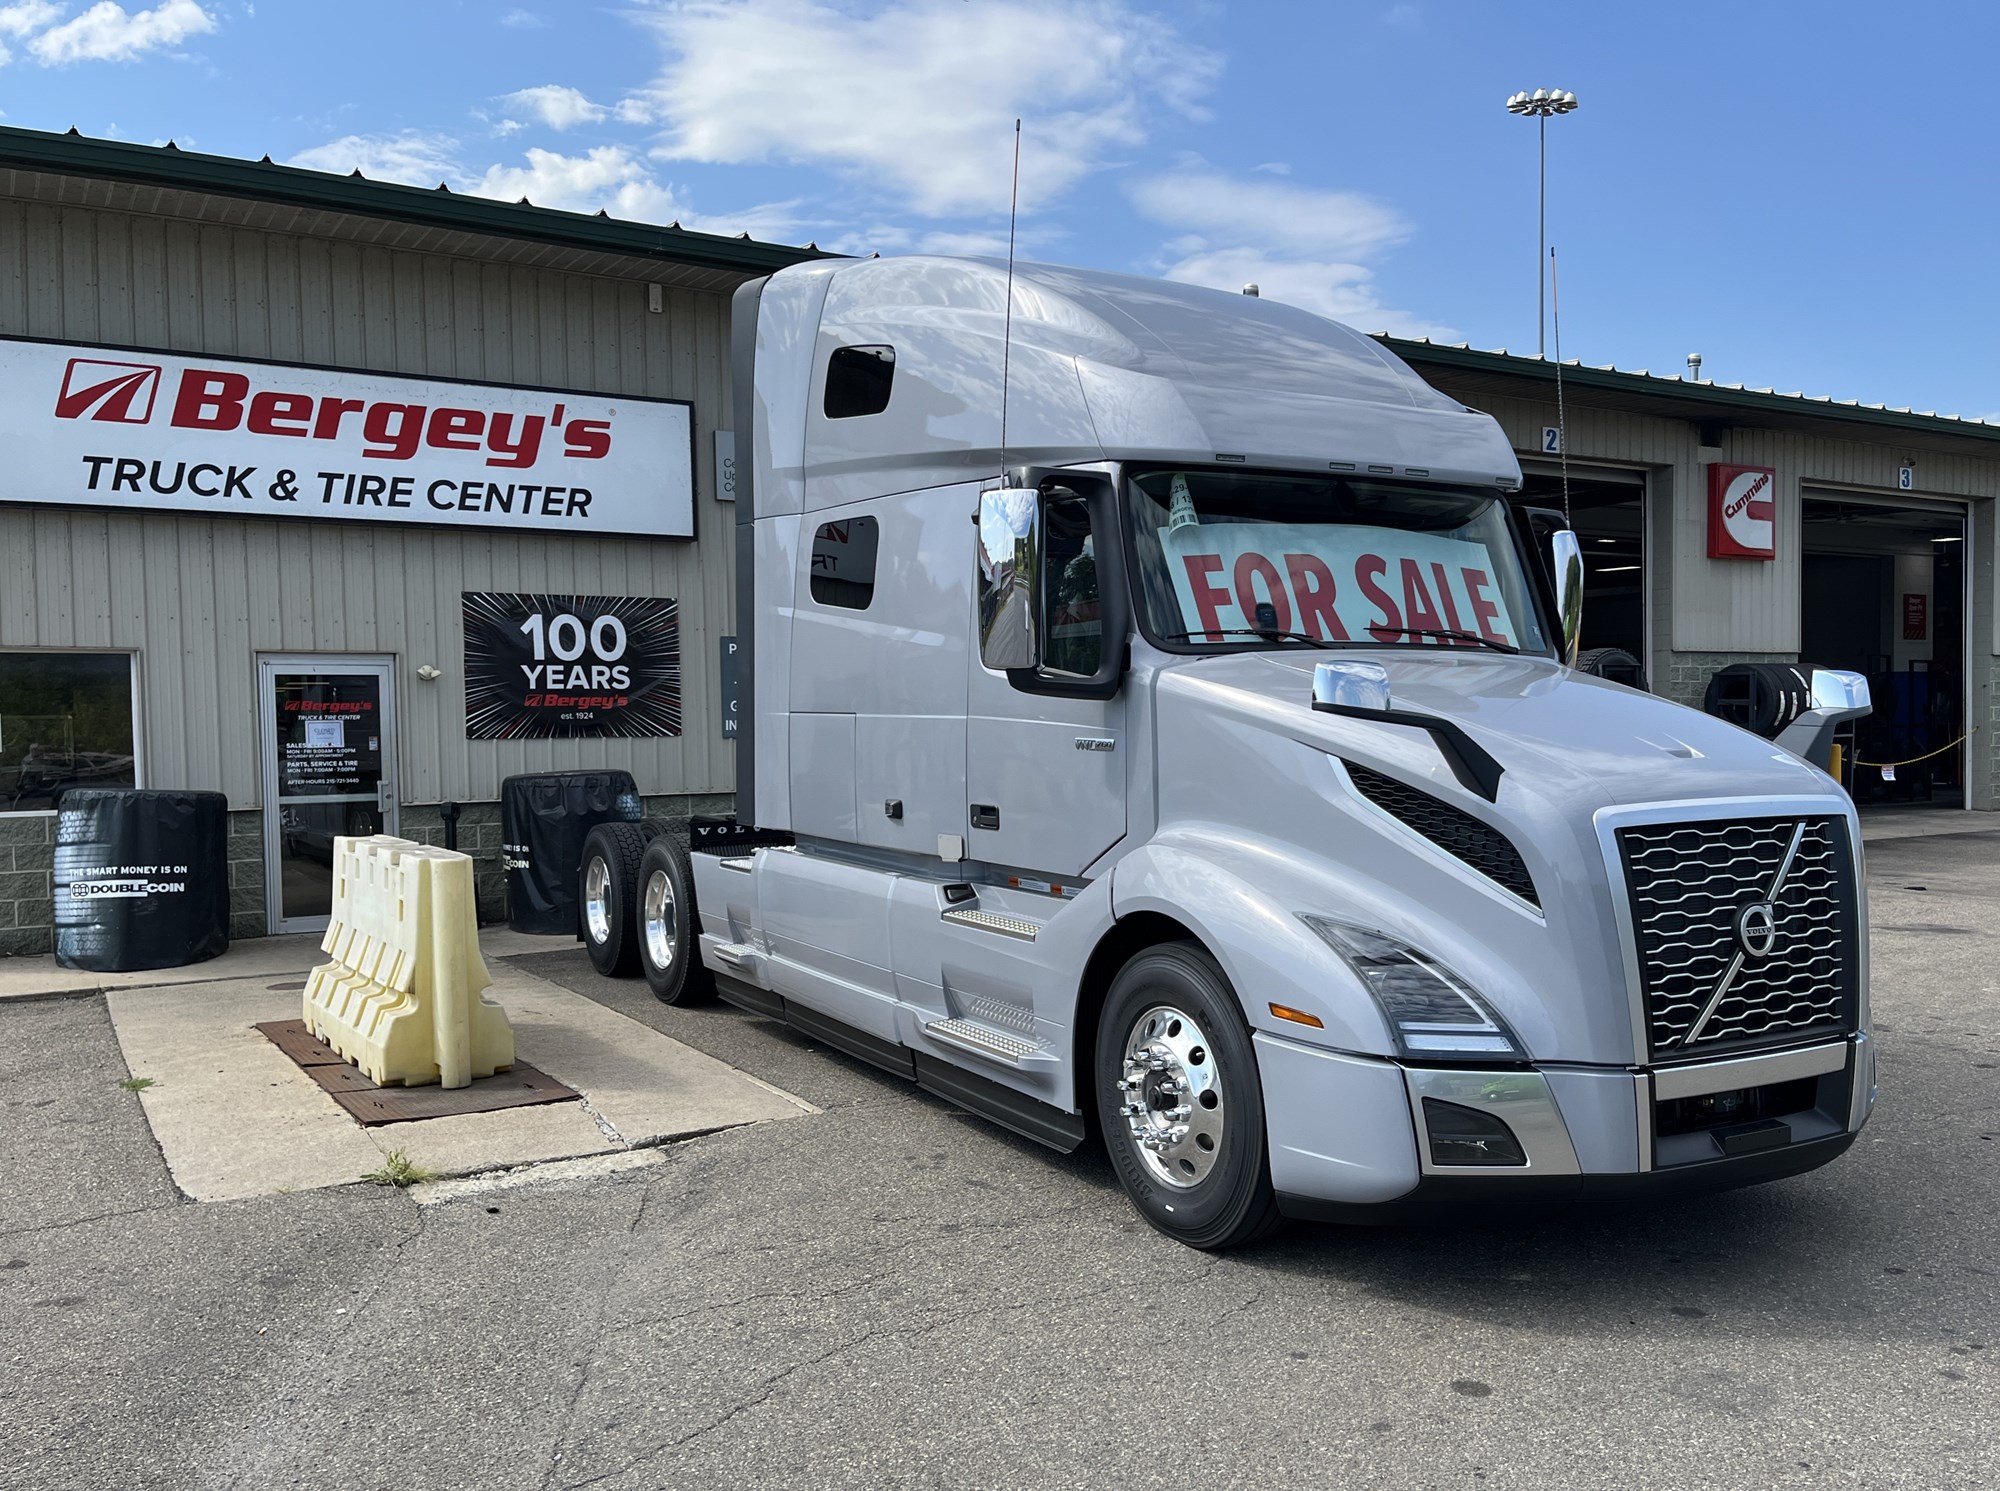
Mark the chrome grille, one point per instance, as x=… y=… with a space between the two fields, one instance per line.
x=1705 y=987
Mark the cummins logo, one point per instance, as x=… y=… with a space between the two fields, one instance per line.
x=113 y=392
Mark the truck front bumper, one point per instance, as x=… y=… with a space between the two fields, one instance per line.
x=1355 y=1138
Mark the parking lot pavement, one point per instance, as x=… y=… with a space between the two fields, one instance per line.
x=889 y=1293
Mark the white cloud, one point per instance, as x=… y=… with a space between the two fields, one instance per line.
x=609 y=178
x=107 y=32
x=412 y=157
x=1208 y=205
x=1307 y=246
x=920 y=97
x=522 y=20
x=556 y=106
x=28 y=15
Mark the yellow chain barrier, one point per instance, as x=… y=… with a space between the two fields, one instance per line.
x=1892 y=765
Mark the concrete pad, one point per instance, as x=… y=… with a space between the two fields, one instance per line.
x=468 y=1142
x=269 y=958
x=234 y=1117
x=647 y=1087
x=553 y=1172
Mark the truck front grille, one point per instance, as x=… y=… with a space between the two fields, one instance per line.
x=1718 y=974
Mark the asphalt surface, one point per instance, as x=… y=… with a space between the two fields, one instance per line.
x=893 y=1294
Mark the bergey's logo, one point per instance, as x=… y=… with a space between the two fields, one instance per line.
x=114 y=392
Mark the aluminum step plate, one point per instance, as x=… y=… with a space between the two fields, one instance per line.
x=983 y=1039
x=994 y=921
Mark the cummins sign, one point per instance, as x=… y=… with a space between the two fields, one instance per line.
x=1742 y=512
x=98 y=427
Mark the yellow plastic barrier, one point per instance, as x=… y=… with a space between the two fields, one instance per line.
x=402 y=999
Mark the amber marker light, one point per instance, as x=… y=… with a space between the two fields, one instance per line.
x=1300 y=1017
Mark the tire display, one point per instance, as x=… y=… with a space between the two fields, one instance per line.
x=668 y=929
x=1179 y=1102
x=607 y=875
x=1614 y=663
x=544 y=818
x=141 y=878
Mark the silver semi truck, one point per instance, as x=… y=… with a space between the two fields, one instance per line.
x=1157 y=724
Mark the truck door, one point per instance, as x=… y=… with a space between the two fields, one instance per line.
x=1046 y=774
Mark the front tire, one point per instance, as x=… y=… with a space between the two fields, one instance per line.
x=606 y=881
x=1179 y=1102
x=668 y=932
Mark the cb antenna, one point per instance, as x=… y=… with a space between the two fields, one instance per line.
x=1562 y=431
x=1007 y=322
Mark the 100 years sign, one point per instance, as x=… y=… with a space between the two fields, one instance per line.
x=543 y=667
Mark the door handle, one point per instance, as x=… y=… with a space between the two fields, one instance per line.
x=985 y=815
x=385 y=797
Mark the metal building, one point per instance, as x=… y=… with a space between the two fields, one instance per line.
x=163 y=617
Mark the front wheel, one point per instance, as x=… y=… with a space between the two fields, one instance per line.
x=1179 y=1101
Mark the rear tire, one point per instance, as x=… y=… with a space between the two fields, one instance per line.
x=668 y=927
x=607 y=881
x=1179 y=1101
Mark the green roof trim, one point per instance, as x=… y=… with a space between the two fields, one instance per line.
x=1723 y=399
x=169 y=167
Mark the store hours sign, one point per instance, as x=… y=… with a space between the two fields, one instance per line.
x=569 y=667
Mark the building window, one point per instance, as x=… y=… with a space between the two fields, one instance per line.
x=843 y=563
x=857 y=381
x=65 y=721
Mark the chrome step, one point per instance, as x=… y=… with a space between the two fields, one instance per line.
x=742 y=864
x=993 y=921
x=983 y=1040
x=738 y=955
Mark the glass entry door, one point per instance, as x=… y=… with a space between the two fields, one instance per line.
x=329 y=756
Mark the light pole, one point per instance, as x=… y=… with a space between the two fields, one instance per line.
x=1542 y=103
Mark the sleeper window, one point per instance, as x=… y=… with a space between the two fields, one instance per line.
x=857 y=381
x=843 y=563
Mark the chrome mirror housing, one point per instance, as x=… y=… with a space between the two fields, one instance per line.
x=1836 y=688
x=1351 y=685
x=1568 y=555
x=1010 y=550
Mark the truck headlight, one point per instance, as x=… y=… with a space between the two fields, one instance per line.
x=1431 y=1011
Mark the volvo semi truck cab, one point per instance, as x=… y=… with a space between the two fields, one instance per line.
x=1156 y=724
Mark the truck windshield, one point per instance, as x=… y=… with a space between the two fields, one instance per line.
x=1338 y=560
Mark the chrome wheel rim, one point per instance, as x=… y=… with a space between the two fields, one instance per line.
x=1170 y=1091
x=597 y=900
x=660 y=918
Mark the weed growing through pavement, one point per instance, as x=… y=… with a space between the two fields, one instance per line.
x=400 y=1170
x=137 y=1084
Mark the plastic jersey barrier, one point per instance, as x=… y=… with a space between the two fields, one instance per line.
x=402 y=997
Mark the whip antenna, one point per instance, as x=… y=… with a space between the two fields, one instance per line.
x=1562 y=432
x=1007 y=323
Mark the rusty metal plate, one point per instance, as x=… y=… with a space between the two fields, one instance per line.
x=522 y=1086
x=298 y=1042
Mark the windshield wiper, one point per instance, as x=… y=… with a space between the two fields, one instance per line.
x=1416 y=631
x=1245 y=631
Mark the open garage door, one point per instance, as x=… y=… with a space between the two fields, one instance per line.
x=1608 y=513
x=1883 y=592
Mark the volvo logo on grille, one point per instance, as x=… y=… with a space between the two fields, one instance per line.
x=1757 y=929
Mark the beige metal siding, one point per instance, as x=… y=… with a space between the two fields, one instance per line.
x=199 y=598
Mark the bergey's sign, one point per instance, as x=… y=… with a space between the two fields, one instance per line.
x=104 y=428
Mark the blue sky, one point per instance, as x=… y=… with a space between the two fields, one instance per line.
x=1802 y=192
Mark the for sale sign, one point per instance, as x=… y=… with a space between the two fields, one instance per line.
x=547 y=667
x=1742 y=512
x=98 y=427
x=1336 y=582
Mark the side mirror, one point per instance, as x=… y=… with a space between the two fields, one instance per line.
x=1010 y=547
x=1568 y=556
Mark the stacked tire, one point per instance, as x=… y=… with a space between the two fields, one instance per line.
x=638 y=911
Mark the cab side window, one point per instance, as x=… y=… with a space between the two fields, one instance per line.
x=843 y=563
x=1072 y=603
